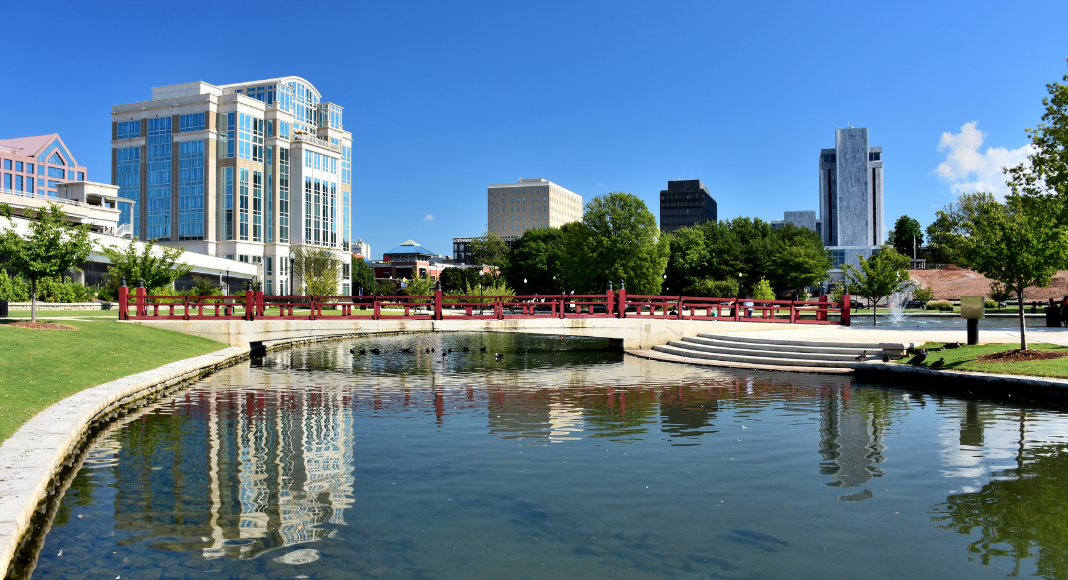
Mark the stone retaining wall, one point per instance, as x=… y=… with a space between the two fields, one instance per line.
x=64 y=306
x=999 y=387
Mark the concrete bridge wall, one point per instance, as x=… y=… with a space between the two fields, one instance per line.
x=624 y=333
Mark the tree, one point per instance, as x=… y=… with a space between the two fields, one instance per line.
x=906 y=235
x=158 y=268
x=318 y=269
x=537 y=256
x=1015 y=243
x=1045 y=173
x=710 y=288
x=1000 y=293
x=363 y=277
x=798 y=259
x=52 y=247
x=488 y=250
x=878 y=277
x=618 y=239
x=688 y=260
x=762 y=290
x=948 y=225
x=452 y=280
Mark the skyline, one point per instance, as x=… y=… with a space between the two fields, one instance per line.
x=609 y=97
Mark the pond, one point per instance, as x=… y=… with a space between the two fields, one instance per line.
x=563 y=460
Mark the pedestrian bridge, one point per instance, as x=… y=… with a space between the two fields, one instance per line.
x=629 y=322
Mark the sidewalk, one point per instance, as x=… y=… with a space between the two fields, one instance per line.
x=917 y=336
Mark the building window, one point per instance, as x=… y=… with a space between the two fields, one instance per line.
x=191 y=122
x=81 y=176
x=257 y=140
x=283 y=195
x=18 y=165
x=128 y=178
x=158 y=197
x=244 y=136
x=18 y=183
x=191 y=190
x=70 y=175
x=269 y=209
x=29 y=185
x=226 y=188
x=127 y=129
x=346 y=165
x=242 y=199
x=283 y=129
x=29 y=168
x=307 y=210
x=257 y=206
x=876 y=156
x=57 y=172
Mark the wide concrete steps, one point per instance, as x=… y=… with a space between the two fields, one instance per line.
x=773 y=353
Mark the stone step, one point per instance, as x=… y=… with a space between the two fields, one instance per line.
x=810 y=347
x=763 y=351
x=870 y=346
x=757 y=360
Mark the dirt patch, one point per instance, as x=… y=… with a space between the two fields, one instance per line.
x=1018 y=355
x=42 y=325
x=951 y=282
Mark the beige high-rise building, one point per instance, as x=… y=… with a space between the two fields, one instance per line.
x=513 y=208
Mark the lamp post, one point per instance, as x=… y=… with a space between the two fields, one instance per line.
x=665 y=283
x=524 y=285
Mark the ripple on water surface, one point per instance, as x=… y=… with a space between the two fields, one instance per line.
x=558 y=460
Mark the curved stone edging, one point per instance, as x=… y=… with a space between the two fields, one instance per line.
x=1017 y=388
x=32 y=458
x=667 y=357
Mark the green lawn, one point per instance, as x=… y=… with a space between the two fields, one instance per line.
x=65 y=313
x=40 y=367
x=963 y=359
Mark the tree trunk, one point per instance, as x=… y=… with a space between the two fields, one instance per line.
x=33 y=300
x=1023 y=327
x=875 y=313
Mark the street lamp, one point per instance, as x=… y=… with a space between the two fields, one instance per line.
x=524 y=285
x=665 y=282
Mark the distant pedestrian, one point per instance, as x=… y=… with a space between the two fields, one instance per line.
x=1064 y=311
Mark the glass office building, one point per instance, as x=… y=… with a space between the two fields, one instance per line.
x=249 y=171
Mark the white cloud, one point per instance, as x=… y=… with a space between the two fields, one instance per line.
x=429 y=218
x=969 y=170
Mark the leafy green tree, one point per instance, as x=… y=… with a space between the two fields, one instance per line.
x=52 y=247
x=421 y=287
x=452 y=280
x=489 y=250
x=798 y=259
x=999 y=293
x=906 y=235
x=158 y=267
x=709 y=288
x=537 y=256
x=1045 y=173
x=922 y=293
x=318 y=269
x=758 y=245
x=878 y=277
x=1015 y=243
x=363 y=276
x=688 y=260
x=13 y=288
x=618 y=239
x=948 y=225
x=762 y=290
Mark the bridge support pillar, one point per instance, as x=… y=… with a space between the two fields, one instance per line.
x=615 y=344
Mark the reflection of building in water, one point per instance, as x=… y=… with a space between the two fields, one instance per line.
x=565 y=422
x=971 y=426
x=687 y=411
x=851 y=441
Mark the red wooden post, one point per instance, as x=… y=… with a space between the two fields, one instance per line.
x=185 y=308
x=377 y=310
x=500 y=309
x=846 y=301
x=621 y=311
x=124 y=306
x=793 y=312
x=142 y=309
x=678 y=310
x=609 y=300
x=737 y=309
x=437 y=305
x=259 y=303
x=821 y=313
x=250 y=304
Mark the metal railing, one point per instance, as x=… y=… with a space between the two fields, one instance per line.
x=253 y=305
x=314 y=140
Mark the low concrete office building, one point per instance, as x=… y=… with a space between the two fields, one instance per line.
x=461 y=252
x=804 y=219
x=514 y=208
x=686 y=203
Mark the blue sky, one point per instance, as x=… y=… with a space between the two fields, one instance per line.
x=444 y=98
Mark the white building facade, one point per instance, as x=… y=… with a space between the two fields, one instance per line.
x=248 y=171
x=513 y=208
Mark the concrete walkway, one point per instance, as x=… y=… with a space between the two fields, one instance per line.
x=32 y=458
x=917 y=336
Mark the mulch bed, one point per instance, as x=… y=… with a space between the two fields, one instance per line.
x=42 y=325
x=1018 y=355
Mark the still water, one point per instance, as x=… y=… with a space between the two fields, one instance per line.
x=562 y=460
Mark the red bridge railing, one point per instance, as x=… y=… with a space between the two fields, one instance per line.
x=254 y=305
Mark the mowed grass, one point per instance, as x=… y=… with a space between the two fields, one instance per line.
x=41 y=367
x=963 y=359
x=65 y=313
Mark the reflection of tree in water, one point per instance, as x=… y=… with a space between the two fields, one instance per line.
x=1021 y=514
x=688 y=411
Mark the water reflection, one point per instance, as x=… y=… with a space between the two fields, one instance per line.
x=562 y=459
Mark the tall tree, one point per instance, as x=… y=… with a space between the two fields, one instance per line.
x=1015 y=243
x=157 y=267
x=688 y=260
x=318 y=269
x=798 y=259
x=949 y=222
x=363 y=277
x=537 y=256
x=489 y=250
x=618 y=239
x=878 y=277
x=1045 y=173
x=907 y=236
x=52 y=247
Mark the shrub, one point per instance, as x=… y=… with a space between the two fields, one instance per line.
x=989 y=304
x=707 y=287
x=763 y=291
x=837 y=292
x=13 y=288
x=50 y=290
x=940 y=305
x=923 y=293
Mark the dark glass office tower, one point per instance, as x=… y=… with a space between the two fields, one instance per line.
x=685 y=203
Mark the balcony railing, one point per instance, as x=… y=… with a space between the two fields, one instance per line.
x=309 y=138
x=46 y=197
